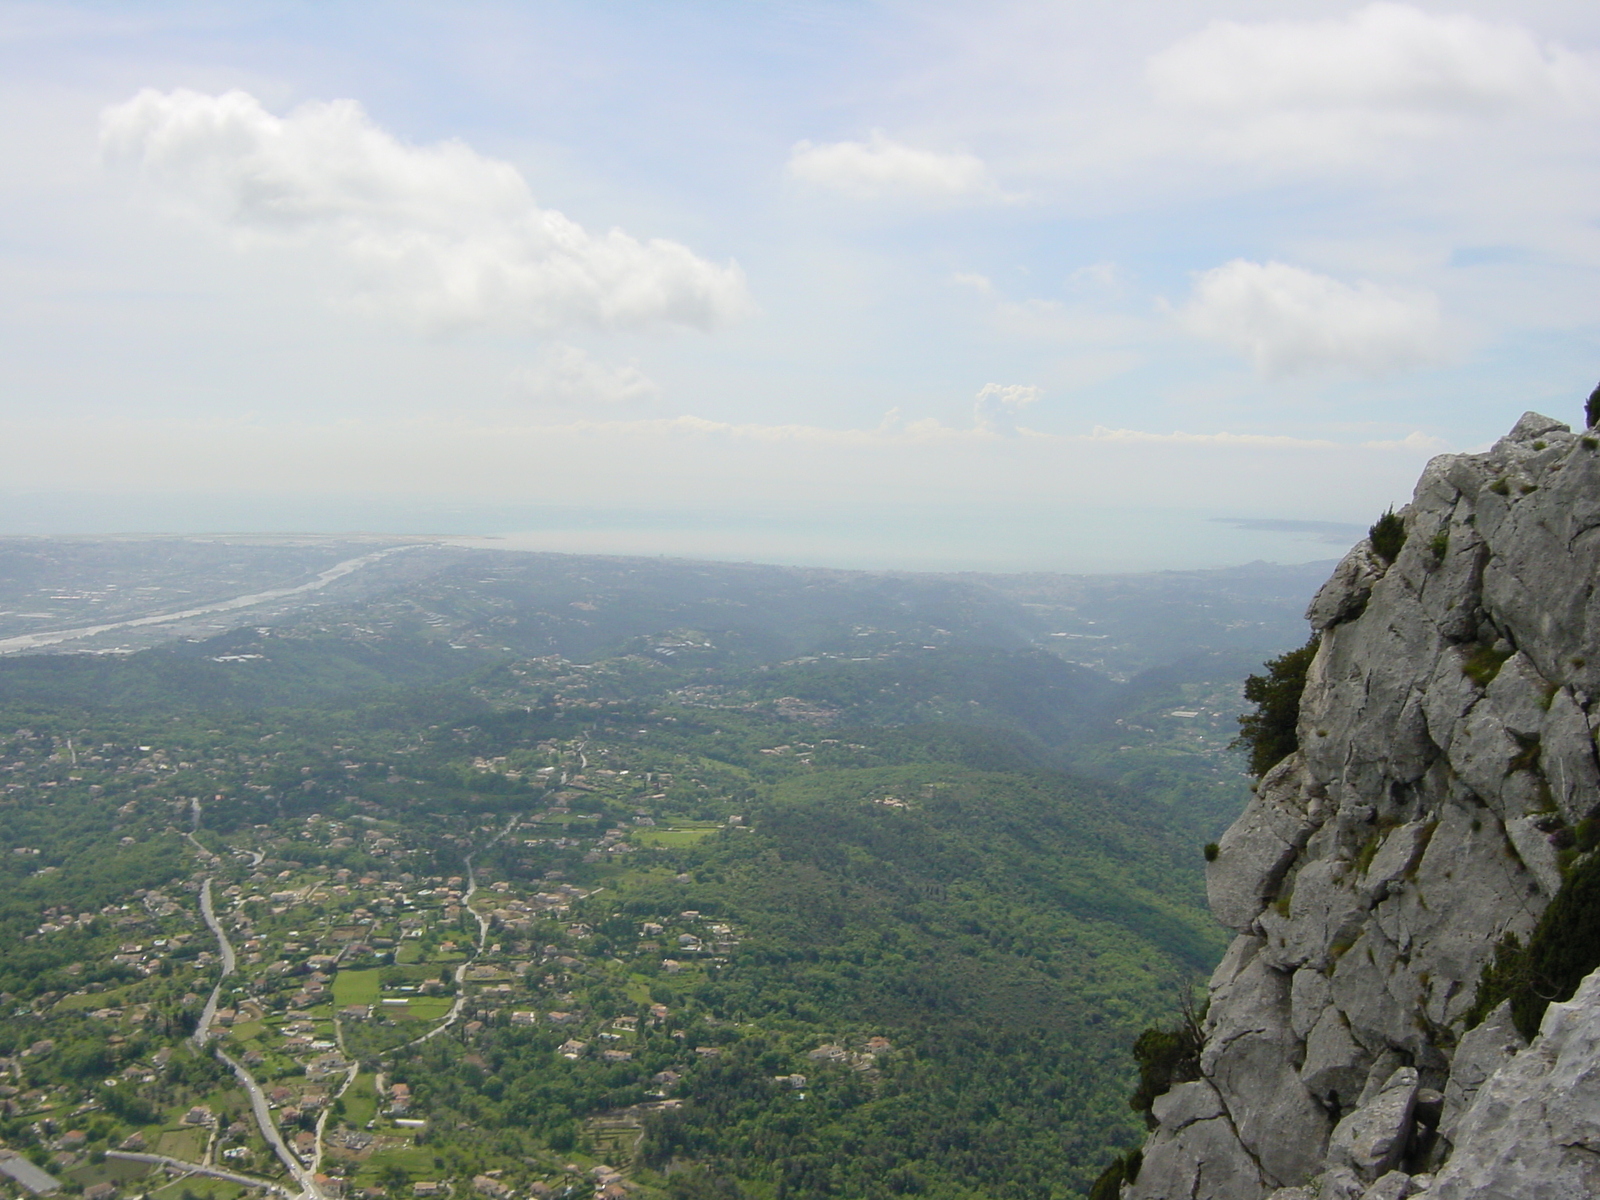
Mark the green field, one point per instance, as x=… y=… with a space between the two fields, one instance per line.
x=360 y=1101
x=417 y=1161
x=356 y=987
x=423 y=1008
x=182 y=1143
x=88 y=1001
x=677 y=835
x=201 y=1186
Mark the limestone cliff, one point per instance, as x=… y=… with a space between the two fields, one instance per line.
x=1447 y=749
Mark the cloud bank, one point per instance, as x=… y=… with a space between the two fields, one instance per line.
x=1383 y=54
x=1329 y=90
x=1290 y=321
x=438 y=235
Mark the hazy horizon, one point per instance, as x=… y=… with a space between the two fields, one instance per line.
x=1081 y=541
x=1006 y=285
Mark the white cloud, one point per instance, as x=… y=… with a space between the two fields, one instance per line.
x=1382 y=56
x=997 y=406
x=567 y=376
x=439 y=235
x=1341 y=91
x=1288 y=320
x=879 y=168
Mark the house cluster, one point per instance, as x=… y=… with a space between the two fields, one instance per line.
x=518 y=915
x=832 y=1053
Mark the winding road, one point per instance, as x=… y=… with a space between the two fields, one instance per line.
x=303 y=1175
x=258 y=1099
x=451 y=1017
x=203 y=1030
x=269 y=1129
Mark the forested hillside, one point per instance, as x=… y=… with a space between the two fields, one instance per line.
x=801 y=904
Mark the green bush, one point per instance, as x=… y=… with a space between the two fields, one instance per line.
x=1388 y=535
x=1564 y=947
x=1591 y=410
x=1587 y=834
x=1269 y=732
x=1124 y=1169
x=1165 y=1057
x=1211 y=851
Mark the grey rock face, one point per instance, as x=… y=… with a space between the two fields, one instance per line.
x=1533 y=847
x=1340 y=1183
x=1253 y=1057
x=1396 y=1185
x=1481 y=1052
x=1336 y=1065
x=1534 y=1127
x=1260 y=845
x=1371 y=1140
x=1566 y=756
x=1345 y=595
x=1447 y=735
x=1195 y=1152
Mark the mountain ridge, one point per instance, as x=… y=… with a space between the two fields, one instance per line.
x=1440 y=800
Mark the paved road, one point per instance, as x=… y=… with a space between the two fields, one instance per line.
x=194 y=1168
x=203 y=1030
x=451 y=1017
x=269 y=1128
x=49 y=637
x=322 y=1117
x=258 y=1099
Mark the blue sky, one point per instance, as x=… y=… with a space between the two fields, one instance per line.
x=1062 y=286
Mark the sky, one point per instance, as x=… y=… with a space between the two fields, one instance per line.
x=1074 y=286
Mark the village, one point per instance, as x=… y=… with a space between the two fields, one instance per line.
x=251 y=1027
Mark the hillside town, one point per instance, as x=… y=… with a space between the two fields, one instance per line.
x=250 y=1025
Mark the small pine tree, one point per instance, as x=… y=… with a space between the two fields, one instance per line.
x=1388 y=534
x=1591 y=410
x=1270 y=733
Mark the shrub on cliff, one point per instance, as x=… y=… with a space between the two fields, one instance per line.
x=1168 y=1056
x=1387 y=535
x=1124 y=1169
x=1563 y=948
x=1165 y=1057
x=1268 y=733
